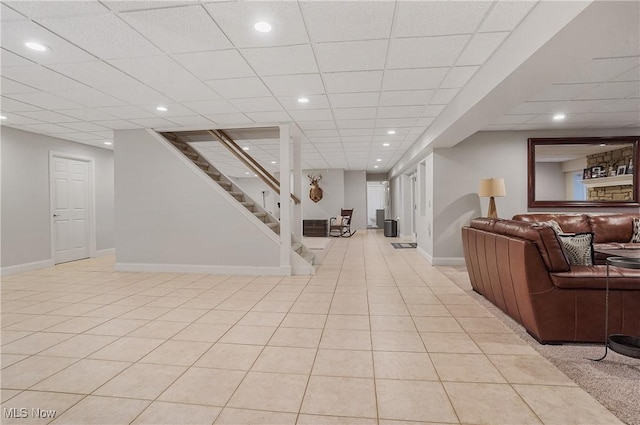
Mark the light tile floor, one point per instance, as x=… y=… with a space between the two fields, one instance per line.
x=377 y=336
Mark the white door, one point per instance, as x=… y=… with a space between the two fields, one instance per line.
x=414 y=207
x=70 y=205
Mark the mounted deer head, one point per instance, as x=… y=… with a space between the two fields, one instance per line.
x=315 y=193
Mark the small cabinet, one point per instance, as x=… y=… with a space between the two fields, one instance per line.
x=318 y=228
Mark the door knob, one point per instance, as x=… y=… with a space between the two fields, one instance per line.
x=56 y=215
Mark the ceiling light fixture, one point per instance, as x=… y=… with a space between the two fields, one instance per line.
x=375 y=166
x=33 y=45
x=273 y=162
x=246 y=172
x=378 y=160
x=385 y=144
x=108 y=143
x=303 y=100
x=559 y=117
x=162 y=108
x=262 y=26
x=246 y=148
x=2 y=117
x=391 y=132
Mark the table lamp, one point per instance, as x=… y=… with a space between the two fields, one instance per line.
x=491 y=188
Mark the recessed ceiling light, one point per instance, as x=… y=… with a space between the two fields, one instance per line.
x=375 y=166
x=162 y=108
x=391 y=132
x=303 y=100
x=36 y=46
x=378 y=160
x=246 y=148
x=273 y=162
x=108 y=143
x=2 y=117
x=385 y=144
x=559 y=117
x=246 y=172
x=262 y=26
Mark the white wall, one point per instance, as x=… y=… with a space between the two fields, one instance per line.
x=550 y=181
x=424 y=218
x=355 y=195
x=25 y=195
x=171 y=217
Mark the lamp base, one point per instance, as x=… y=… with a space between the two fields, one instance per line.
x=493 y=212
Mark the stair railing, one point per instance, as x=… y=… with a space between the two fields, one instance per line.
x=249 y=161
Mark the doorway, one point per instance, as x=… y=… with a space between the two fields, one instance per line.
x=377 y=202
x=72 y=212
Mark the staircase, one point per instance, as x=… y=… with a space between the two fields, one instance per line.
x=263 y=216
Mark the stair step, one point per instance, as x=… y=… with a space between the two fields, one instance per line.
x=272 y=225
x=297 y=247
x=190 y=154
x=248 y=205
x=260 y=214
x=238 y=195
x=226 y=185
x=180 y=145
x=202 y=164
x=309 y=257
x=214 y=174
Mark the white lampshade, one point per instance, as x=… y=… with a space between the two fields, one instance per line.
x=492 y=187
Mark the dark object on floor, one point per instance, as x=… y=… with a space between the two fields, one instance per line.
x=626 y=345
x=401 y=245
x=391 y=228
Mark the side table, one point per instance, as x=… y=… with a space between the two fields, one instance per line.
x=626 y=345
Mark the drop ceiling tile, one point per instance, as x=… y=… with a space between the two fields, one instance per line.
x=345 y=133
x=481 y=48
x=340 y=21
x=126 y=112
x=427 y=18
x=88 y=97
x=610 y=117
x=631 y=75
x=353 y=100
x=313 y=134
x=15 y=119
x=237 y=19
x=84 y=126
x=230 y=119
x=425 y=52
x=623 y=105
x=153 y=69
x=316 y=125
x=290 y=103
x=14 y=35
x=41 y=78
x=357 y=124
x=514 y=119
x=582 y=106
x=408 y=97
x=238 y=88
x=536 y=108
x=424 y=121
x=458 y=76
x=96 y=74
x=57 y=9
x=413 y=79
x=351 y=55
x=354 y=113
x=506 y=15
x=105 y=134
x=443 y=96
x=186 y=91
x=105 y=36
x=312 y=115
x=258 y=104
x=48 y=116
x=7 y=14
x=269 y=117
x=9 y=87
x=137 y=95
x=613 y=91
x=394 y=122
x=295 y=85
x=173 y=110
x=353 y=82
x=178 y=29
x=153 y=122
x=399 y=111
x=432 y=110
x=10 y=105
x=215 y=65
x=219 y=106
x=563 y=92
x=118 y=124
x=9 y=59
x=602 y=70
x=281 y=60
x=46 y=128
x=78 y=136
x=44 y=100
x=124 y=6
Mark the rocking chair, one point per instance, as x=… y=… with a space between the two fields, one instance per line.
x=341 y=226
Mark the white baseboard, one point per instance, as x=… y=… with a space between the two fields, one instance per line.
x=200 y=268
x=303 y=270
x=105 y=252
x=425 y=254
x=20 y=268
x=448 y=261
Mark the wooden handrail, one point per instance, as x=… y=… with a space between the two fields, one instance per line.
x=249 y=161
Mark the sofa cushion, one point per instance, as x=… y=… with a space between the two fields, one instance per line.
x=635 y=238
x=595 y=277
x=570 y=223
x=578 y=248
x=612 y=227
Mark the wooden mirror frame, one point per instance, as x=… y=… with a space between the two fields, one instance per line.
x=531 y=171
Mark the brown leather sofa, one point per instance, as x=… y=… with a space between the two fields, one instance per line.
x=520 y=267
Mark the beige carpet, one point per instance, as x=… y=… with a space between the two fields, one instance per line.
x=614 y=381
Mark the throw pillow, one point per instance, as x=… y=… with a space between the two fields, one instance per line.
x=578 y=248
x=636 y=231
x=554 y=225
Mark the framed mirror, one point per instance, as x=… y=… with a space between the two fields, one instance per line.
x=583 y=172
